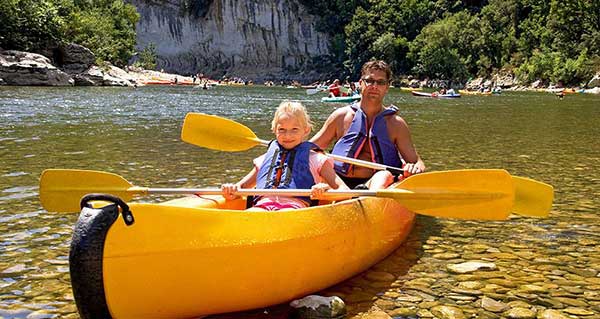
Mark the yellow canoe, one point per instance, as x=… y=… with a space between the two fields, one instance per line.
x=474 y=92
x=197 y=256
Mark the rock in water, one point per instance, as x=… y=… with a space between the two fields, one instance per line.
x=318 y=307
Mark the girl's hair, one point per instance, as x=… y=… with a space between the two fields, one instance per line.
x=292 y=109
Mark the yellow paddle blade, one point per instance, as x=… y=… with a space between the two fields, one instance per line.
x=62 y=189
x=532 y=198
x=217 y=133
x=463 y=194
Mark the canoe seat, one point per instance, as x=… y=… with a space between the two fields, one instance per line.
x=207 y=201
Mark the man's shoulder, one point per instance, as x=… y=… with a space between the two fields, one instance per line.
x=343 y=111
x=395 y=119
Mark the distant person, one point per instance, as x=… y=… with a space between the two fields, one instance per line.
x=354 y=90
x=289 y=163
x=369 y=131
x=335 y=89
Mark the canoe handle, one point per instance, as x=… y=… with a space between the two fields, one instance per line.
x=127 y=215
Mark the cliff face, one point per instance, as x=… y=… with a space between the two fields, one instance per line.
x=257 y=39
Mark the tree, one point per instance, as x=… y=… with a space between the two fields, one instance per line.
x=447 y=49
x=147 y=57
x=29 y=25
x=106 y=27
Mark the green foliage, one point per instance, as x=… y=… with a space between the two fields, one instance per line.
x=147 y=58
x=557 y=68
x=556 y=41
x=29 y=25
x=107 y=27
x=444 y=49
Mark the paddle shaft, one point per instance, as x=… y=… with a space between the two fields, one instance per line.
x=354 y=161
x=396 y=193
x=260 y=192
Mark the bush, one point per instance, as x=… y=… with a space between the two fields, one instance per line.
x=107 y=27
x=147 y=58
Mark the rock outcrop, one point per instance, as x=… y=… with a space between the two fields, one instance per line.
x=595 y=81
x=74 y=58
x=24 y=68
x=257 y=39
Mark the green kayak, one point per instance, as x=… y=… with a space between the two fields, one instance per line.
x=341 y=99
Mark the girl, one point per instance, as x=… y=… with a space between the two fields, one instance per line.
x=289 y=163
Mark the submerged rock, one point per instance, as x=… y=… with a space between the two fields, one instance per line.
x=318 y=307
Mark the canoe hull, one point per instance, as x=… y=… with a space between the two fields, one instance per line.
x=341 y=99
x=435 y=95
x=186 y=257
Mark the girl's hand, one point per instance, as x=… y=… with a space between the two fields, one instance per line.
x=411 y=169
x=229 y=191
x=318 y=190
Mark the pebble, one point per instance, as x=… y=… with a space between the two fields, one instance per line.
x=470 y=266
x=492 y=305
x=552 y=314
x=448 y=312
x=519 y=313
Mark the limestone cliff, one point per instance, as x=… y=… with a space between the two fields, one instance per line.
x=257 y=39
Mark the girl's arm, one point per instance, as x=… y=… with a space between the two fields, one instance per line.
x=247 y=181
x=332 y=181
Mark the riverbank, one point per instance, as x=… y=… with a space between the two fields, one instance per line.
x=77 y=68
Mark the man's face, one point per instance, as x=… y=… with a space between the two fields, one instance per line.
x=374 y=85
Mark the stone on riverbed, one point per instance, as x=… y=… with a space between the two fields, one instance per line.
x=448 y=312
x=318 y=307
x=471 y=266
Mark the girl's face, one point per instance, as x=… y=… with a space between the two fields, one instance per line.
x=290 y=132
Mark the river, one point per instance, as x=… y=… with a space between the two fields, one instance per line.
x=550 y=264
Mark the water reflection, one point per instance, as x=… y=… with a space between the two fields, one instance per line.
x=135 y=133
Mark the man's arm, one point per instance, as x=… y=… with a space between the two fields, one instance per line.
x=401 y=136
x=330 y=130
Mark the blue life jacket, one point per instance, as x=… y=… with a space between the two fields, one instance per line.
x=383 y=150
x=294 y=165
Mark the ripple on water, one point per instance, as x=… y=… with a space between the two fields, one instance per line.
x=14 y=174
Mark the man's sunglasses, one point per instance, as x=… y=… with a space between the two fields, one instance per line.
x=378 y=82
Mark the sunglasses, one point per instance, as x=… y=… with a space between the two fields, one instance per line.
x=378 y=82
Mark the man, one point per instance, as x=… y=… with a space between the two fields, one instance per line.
x=369 y=131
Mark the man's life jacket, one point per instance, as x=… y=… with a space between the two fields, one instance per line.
x=286 y=169
x=383 y=150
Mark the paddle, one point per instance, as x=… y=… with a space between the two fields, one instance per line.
x=466 y=194
x=313 y=91
x=316 y=90
x=532 y=198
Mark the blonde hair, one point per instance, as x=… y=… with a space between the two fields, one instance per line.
x=292 y=109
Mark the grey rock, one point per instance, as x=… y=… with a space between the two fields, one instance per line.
x=269 y=39
x=24 y=68
x=318 y=307
x=96 y=76
x=595 y=81
x=74 y=58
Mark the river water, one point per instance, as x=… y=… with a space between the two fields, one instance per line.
x=547 y=266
